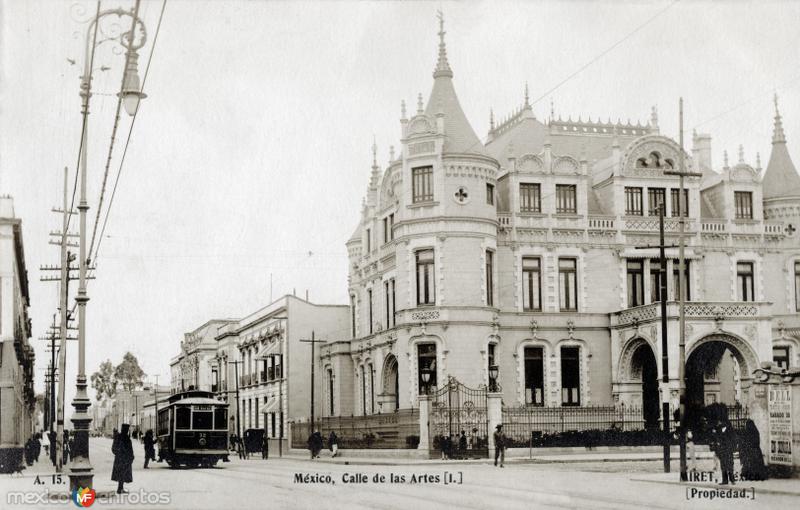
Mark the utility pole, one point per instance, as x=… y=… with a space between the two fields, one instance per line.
x=681 y=290
x=236 y=379
x=155 y=392
x=312 y=341
x=64 y=268
x=664 y=330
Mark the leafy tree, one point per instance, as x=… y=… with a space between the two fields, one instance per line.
x=128 y=373
x=104 y=381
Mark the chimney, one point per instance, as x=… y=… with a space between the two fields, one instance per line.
x=701 y=151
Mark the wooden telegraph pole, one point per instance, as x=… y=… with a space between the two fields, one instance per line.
x=681 y=291
x=312 y=341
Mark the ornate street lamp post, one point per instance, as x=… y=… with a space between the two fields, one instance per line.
x=426 y=379
x=493 y=373
x=81 y=472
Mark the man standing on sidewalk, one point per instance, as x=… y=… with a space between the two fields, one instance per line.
x=499 y=445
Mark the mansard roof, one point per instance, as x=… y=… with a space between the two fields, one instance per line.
x=781 y=179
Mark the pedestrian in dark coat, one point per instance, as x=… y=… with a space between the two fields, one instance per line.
x=37 y=446
x=122 y=472
x=315 y=444
x=462 y=442
x=333 y=444
x=149 y=448
x=499 y=445
x=725 y=439
x=750 y=453
x=265 y=446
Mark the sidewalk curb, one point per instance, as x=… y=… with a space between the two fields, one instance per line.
x=764 y=490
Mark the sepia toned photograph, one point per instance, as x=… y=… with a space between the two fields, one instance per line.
x=393 y=254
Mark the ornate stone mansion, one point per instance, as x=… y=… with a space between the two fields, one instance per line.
x=520 y=251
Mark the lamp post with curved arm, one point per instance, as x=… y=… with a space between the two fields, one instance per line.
x=81 y=472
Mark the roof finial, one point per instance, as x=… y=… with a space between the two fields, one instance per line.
x=741 y=153
x=777 y=134
x=758 y=161
x=402 y=109
x=374 y=153
x=527 y=97
x=419 y=103
x=391 y=153
x=442 y=66
x=491 y=119
x=725 y=158
x=552 y=110
x=654 y=117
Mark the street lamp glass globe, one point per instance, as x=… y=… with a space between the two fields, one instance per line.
x=493 y=370
x=131 y=102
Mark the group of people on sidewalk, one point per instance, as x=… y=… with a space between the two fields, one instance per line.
x=315 y=444
x=238 y=445
x=724 y=441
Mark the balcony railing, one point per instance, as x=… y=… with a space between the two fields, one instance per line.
x=602 y=222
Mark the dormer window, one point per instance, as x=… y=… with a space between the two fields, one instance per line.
x=743 y=202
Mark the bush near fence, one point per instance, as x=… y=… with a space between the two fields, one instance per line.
x=397 y=430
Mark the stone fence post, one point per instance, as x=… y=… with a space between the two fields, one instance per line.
x=424 y=418
x=494 y=410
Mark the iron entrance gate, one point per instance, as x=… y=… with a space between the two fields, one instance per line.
x=456 y=408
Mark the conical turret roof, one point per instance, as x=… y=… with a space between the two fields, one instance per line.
x=781 y=179
x=459 y=135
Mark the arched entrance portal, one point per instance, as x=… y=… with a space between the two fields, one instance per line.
x=390 y=394
x=643 y=364
x=718 y=370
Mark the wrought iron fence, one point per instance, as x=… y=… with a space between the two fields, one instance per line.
x=589 y=426
x=399 y=429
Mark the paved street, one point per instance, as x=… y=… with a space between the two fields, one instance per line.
x=256 y=483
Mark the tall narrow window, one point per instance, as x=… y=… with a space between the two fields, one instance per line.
x=353 y=315
x=489 y=278
x=490 y=356
x=744 y=283
x=369 y=240
x=272 y=423
x=655 y=197
x=780 y=356
x=674 y=194
x=633 y=201
x=534 y=376
x=530 y=197
x=369 y=302
x=570 y=376
x=743 y=201
x=386 y=230
x=422 y=184
x=490 y=193
x=330 y=393
x=363 y=391
x=426 y=294
x=655 y=280
x=371 y=389
x=797 y=286
x=391 y=227
x=566 y=202
x=686 y=288
x=635 y=283
x=426 y=360
x=394 y=309
x=568 y=284
x=531 y=284
x=387 y=300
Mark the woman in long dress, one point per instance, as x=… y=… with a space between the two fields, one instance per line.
x=750 y=453
x=123 y=459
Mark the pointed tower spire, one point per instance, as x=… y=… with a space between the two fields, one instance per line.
x=442 y=65
x=491 y=119
x=777 y=134
x=374 y=153
x=402 y=109
x=781 y=179
x=527 y=97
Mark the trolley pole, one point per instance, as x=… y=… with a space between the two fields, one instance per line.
x=236 y=379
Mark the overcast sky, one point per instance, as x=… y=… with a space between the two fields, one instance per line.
x=251 y=154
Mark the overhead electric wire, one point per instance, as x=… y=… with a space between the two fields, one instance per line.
x=130 y=131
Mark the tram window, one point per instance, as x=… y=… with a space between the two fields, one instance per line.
x=183 y=416
x=202 y=420
x=220 y=418
x=163 y=422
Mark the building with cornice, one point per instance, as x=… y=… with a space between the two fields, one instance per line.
x=17 y=398
x=520 y=251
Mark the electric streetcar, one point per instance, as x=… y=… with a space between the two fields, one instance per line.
x=192 y=430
